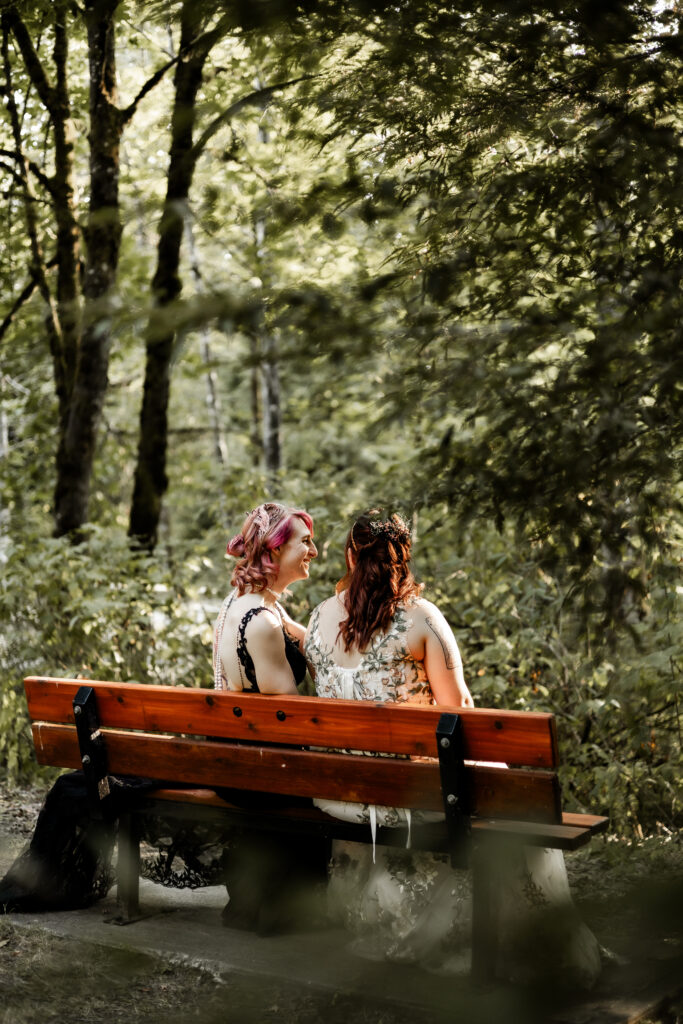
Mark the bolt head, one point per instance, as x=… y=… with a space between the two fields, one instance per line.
x=452 y=799
x=85 y=759
x=77 y=710
x=445 y=742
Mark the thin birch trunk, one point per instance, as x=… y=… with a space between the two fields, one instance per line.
x=256 y=433
x=213 y=402
x=270 y=379
x=4 y=452
x=270 y=372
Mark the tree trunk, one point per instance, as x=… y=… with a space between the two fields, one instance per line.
x=80 y=354
x=4 y=452
x=270 y=379
x=256 y=432
x=213 y=403
x=151 y=481
x=270 y=372
x=76 y=452
x=68 y=234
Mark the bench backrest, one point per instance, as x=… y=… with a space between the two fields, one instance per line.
x=160 y=732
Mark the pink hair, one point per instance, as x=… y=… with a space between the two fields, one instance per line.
x=267 y=527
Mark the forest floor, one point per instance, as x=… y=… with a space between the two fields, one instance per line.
x=629 y=893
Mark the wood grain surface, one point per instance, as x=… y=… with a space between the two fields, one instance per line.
x=501 y=792
x=516 y=738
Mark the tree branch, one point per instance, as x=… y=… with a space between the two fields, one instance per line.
x=127 y=112
x=200 y=46
x=53 y=324
x=12 y=172
x=23 y=297
x=33 y=167
x=203 y=44
x=258 y=98
x=34 y=67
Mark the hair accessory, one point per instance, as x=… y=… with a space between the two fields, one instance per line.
x=393 y=529
x=236 y=546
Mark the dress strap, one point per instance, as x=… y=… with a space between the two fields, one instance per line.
x=244 y=658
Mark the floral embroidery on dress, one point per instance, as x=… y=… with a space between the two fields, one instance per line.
x=387 y=672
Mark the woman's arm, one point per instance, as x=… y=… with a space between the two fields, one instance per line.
x=432 y=641
x=266 y=645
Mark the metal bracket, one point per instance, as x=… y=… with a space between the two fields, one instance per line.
x=93 y=750
x=450 y=742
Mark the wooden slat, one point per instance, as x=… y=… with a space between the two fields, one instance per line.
x=507 y=793
x=518 y=738
x=574 y=832
x=556 y=837
x=594 y=822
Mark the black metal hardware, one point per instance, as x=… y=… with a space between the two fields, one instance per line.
x=450 y=743
x=237 y=712
x=280 y=715
x=93 y=751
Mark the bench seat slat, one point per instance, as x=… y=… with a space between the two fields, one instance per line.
x=570 y=835
x=516 y=738
x=558 y=837
x=593 y=823
x=507 y=793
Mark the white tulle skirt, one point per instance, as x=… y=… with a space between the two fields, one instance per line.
x=413 y=907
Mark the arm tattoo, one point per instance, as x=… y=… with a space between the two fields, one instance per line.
x=445 y=647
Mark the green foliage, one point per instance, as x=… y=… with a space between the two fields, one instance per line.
x=96 y=611
x=538 y=158
x=618 y=710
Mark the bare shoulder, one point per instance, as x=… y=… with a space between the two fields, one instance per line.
x=264 y=624
x=421 y=610
x=328 y=609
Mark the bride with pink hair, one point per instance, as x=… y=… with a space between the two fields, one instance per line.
x=257 y=645
x=258 y=649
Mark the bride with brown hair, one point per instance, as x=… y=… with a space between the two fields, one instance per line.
x=378 y=639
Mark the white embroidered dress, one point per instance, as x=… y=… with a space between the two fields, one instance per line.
x=386 y=674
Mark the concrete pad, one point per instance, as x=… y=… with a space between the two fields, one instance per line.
x=182 y=925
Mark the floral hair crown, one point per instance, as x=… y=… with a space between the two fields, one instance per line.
x=393 y=529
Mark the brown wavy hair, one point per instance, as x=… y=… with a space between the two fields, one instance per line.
x=379 y=580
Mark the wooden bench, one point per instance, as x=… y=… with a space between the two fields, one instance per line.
x=170 y=733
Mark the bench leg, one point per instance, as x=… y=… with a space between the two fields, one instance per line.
x=484 y=915
x=128 y=868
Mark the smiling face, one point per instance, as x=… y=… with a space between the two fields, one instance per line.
x=294 y=556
